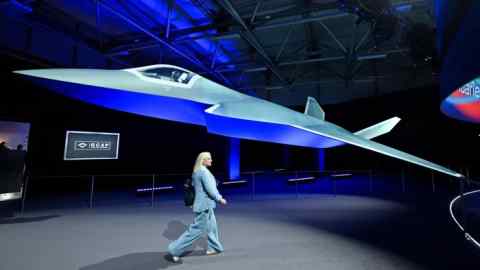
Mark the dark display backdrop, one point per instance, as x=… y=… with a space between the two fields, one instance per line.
x=84 y=145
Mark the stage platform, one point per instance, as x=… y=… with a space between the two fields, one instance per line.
x=319 y=231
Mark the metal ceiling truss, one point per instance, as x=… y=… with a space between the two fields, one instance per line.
x=250 y=37
x=184 y=35
x=350 y=55
x=247 y=26
x=250 y=25
x=72 y=29
x=307 y=16
x=325 y=81
x=246 y=66
x=163 y=41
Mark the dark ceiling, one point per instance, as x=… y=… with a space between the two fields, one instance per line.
x=282 y=50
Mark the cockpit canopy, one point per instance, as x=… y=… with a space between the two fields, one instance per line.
x=170 y=74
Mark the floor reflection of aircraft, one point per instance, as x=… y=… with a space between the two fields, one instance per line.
x=173 y=93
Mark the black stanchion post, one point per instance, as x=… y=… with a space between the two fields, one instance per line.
x=253 y=186
x=153 y=189
x=296 y=185
x=319 y=177
x=370 y=176
x=462 y=206
x=92 y=185
x=24 y=193
x=467 y=175
x=334 y=181
x=433 y=182
x=296 y=189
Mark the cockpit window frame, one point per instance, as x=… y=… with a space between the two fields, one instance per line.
x=168 y=74
x=140 y=72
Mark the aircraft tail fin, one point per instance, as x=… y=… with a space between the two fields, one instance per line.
x=378 y=129
x=313 y=109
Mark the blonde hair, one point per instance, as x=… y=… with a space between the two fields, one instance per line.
x=200 y=158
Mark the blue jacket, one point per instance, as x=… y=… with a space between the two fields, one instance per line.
x=206 y=192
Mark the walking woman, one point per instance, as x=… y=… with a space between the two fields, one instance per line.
x=206 y=196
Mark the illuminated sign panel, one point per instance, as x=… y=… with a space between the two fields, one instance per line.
x=91 y=145
x=464 y=102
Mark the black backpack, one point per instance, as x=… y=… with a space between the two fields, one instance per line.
x=189 y=193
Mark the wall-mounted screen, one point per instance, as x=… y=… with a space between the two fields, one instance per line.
x=85 y=145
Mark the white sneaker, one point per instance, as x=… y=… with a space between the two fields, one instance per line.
x=175 y=258
x=212 y=252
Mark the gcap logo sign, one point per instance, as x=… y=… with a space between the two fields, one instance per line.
x=81 y=145
x=91 y=145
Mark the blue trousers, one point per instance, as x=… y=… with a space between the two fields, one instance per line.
x=204 y=222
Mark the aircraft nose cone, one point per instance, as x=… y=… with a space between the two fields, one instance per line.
x=27 y=72
x=53 y=74
x=92 y=77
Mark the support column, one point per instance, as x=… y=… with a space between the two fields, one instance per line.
x=321 y=159
x=233 y=158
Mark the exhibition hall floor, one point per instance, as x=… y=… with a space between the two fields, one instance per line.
x=314 y=232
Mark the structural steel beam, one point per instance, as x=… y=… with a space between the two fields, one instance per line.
x=184 y=35
x=313 y=82
x=376 y=55
x=248 y=35
x=254 y=15
x=332 y=35
x=165 y=43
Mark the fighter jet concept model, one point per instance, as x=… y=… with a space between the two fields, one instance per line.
x=173 y=93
